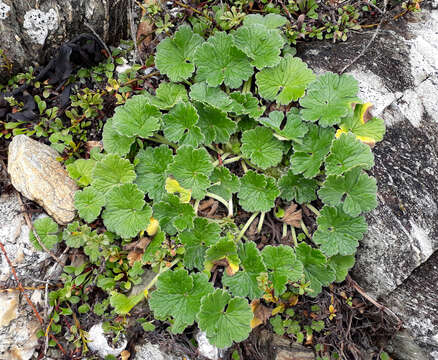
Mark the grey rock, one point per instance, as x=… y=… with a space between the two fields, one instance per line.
x=149 y=351
x=396 y=262
x=18 y=324
x=30 y=35
x=403 y=346
x=98 y=342
x=37 y=175
x=205 y=348
x=282 y=348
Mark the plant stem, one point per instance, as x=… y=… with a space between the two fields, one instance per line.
x=223 y=157
x=313 y=209
x=215 y=149
x=230 y=207
x=162 y=140
x=162 y=270
x=221 y=200
x=245 y=169
x=195 y=207
x=261 y=220
x=246 y=226
x=284 y=234
x=231 y=160
x=294 y=235
x=304 y=228
x=247 y=86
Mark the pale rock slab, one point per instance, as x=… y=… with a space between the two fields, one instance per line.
x=149 y=351
x=98 y=342
x=38 y=176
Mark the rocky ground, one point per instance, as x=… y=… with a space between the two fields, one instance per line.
x=396 y=274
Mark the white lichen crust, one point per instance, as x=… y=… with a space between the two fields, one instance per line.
x=38 y=24
x=4 y=9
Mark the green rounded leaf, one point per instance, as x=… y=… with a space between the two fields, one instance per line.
x=294 y=129
x=76 y=235
x=309 y=155
x=218 y=60
x=113 y=142
x=179 y=295
x=271 y=21
x=173 y=215
x=47 y=231
x=257 y=192
x=89 y=203
x=329 y=98
x=81 y=171
x=341 y=265
x=282 y=266
x=298 y=188
x=180 y=125
x=244 y=282
x=338 y=232
x=112 y=171
x=192 y=168
x=225 y=183
x=355 y=190
x=167 y=95
x=175 y=55
x=246 y=104
x=286 y=81
x=224 y=249
x=214 y=124
x=213 y=96
x=259 y=43
x=316 y=270
x=197 y=240
x=260 y=146
x=346 y=153
x=126 y=213
x=151 y=170
x=224 y=319
x=137 y=118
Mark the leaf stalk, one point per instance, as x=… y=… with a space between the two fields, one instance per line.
x=246 y=226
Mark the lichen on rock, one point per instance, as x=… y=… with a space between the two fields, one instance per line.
x=4 y=10
x=38 y=24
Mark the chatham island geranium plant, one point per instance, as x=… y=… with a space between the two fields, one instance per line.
x=246 y=124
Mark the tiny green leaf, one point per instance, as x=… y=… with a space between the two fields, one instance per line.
x=244 y=282
x=175 y=55
x=338 y=232
x=191 y=168
x=316 y=269
x=179 y=295
x=298 y=188
x=260 y=146
x=355 y=189
x=76 y=235
x=89 y=203
x=329 y=98
x=126 y=213
x=180 y=125
x=47 y=231
x=218 y=60
x=282 y=266
x=259 y=43
x=173 y=215
x=224 y=319
x=151 y=170
x=123 y=304
x=286 y=81
x=112 y=171
x=310 y=154
x=225 y=183
x=136 y=118
x=197 y=240
x=257 y=192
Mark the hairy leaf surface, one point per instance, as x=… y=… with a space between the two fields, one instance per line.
x=214 y=124
x=261 y=147
x=173 y=215
x=257 y=192
x=297 y=187
x=89 y=203
x=225 y=182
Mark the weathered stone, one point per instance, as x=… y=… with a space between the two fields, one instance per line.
x=37 y=175
x=148 y=351
x=397 y=260
x=18 y=324
x=98 y=342
x=205 y=348
x=31 y=35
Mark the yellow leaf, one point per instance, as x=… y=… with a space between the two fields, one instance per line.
x=152 y=227
x=173 y=187
x=278 y=309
